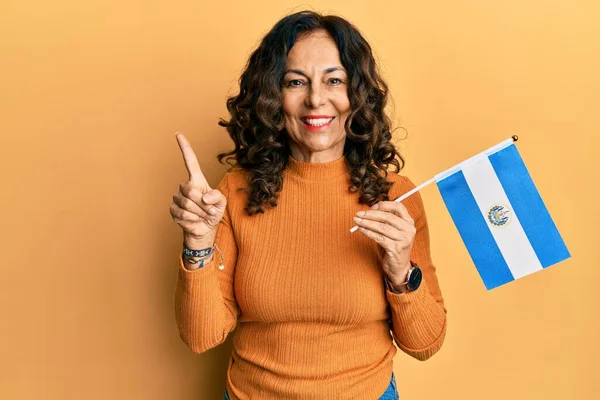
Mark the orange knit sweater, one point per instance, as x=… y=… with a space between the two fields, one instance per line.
x=308 y=298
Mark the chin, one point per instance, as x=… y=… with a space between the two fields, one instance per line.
x=319 y=147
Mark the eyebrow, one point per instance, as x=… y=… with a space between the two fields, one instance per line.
x=326 y=71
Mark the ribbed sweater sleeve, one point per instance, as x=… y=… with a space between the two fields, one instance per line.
x=419 y=317
x=205 y=306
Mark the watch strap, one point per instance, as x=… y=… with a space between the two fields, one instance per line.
x=404 y=287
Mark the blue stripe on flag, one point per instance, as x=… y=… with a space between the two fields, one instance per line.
x=474 y=231
x=529 y=206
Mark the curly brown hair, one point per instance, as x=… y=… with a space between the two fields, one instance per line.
x=257 y=125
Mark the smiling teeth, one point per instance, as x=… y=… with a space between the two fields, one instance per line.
x=318 y=122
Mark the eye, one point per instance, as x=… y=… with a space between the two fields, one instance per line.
x=336 y=81
x=295 y=83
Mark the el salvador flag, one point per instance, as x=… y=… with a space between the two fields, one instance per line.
x=500 y=215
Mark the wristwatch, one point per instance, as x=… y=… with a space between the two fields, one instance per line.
x=413 y=280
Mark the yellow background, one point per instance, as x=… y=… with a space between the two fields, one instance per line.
x=92 y=93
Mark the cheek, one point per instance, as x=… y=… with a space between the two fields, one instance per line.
x=341 y=103
x=289 y=104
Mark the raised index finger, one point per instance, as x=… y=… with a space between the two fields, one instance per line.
x=191 y=161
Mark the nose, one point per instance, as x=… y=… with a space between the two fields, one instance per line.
x=315 y=97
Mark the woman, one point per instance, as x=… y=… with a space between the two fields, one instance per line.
x=314 y=304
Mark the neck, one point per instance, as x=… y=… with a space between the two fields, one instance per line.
x=308 y=156
x=316 y=171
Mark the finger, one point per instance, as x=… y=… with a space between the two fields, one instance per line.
x=216 y=199
x=182 y=215
x=377 y=237
x=384 y=229
x=386 y=217
x=191 y=192
x=188 y=205
x=395 y=207
x=191 y=162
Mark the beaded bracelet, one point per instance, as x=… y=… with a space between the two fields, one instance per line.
x=197 y=253
x=204 y=253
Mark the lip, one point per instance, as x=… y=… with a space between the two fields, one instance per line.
x=316 y=128
x=316 y=116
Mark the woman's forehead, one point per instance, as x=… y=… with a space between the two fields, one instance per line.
x=314 y=51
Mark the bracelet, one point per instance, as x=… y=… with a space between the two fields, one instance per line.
x=197 y=253
x=187 y=255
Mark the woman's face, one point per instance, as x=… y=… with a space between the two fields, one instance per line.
x=315 y=99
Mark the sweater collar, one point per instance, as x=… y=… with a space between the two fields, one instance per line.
x=317 y=171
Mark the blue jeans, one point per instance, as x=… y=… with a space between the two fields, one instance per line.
x=391 y=393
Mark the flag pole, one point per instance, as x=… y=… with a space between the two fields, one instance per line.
x=421 y=186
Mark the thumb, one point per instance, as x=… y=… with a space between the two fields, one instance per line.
x=215 y=198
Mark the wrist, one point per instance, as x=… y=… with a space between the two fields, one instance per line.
x=411 y=282
x=394 y=288
x=401 y=277
x=193 y=263
x=198 y=254
x=198 y=243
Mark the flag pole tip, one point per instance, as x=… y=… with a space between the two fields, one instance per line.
x=515 y=138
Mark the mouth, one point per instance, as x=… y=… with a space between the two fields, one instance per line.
x=317 y=122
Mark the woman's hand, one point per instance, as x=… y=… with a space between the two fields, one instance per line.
x=197 y=208
x=391 y=226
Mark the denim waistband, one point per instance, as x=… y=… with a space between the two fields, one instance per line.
x=391 y=393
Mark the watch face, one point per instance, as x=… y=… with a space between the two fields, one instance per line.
x=416 y=276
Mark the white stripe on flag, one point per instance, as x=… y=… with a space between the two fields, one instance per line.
x=511 y=238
